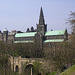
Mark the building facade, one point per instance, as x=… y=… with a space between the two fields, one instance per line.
x=38 y=36
x=6 y=36
x=41 y=35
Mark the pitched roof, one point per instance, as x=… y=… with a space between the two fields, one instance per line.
x=23 y=41
x=59 y=32
x=29 y=34
x=48 y=33
x=54 y=40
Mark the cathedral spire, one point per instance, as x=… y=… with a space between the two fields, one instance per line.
x=41 y=18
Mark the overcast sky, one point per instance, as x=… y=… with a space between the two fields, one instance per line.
x=22 y=14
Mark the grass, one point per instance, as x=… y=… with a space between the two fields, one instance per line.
x=70 y=71
x=53 y=73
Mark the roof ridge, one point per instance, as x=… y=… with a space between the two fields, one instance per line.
x=57 y=30
x=26 y=32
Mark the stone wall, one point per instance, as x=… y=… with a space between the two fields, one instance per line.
x=21 y=63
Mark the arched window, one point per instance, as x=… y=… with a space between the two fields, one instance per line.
x=16 y=68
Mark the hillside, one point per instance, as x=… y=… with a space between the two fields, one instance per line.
x=70 y=71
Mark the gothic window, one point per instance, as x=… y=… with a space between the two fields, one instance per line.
x=25 y=38
x=22 y=39
x=40 y=28
x=55 y=37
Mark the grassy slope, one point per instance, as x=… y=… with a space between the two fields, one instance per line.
x=70 y=71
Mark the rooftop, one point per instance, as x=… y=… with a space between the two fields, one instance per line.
x=58 y=32
x=29 y=34
x=48 y=33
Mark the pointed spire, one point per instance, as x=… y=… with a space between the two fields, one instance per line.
x=41 y=18
x=41 y=12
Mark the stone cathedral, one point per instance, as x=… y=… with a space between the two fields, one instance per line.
x=37 y=36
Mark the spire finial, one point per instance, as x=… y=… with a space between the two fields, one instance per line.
x=41 y=11
x=41 y=18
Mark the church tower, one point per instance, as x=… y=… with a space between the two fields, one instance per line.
x=41 y=27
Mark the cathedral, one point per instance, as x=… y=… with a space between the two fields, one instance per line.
x=38 y=36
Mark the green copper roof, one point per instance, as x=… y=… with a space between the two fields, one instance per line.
x=54 y=40
x=23 y=41
x=48 y=33
x=30 y=34
x=60 y=32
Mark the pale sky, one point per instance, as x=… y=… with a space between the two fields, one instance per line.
x=22 y=14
